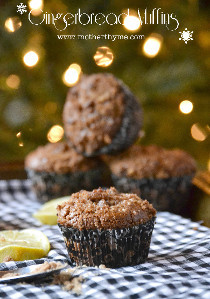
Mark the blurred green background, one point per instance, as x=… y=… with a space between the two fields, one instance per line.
x=32 y=98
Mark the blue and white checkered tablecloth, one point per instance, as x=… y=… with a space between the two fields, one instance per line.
x=177 y=267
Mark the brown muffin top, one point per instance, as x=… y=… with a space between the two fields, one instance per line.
x=104 y=209
x=59 y=158
x=93 y=112
x=151 y=162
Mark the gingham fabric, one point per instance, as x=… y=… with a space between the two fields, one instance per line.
x=177 y=266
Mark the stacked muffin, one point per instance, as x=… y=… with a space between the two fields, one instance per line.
x=102 y=226
x=57 y=170
x=101 y=116
x=110 y=119
x=159 y=175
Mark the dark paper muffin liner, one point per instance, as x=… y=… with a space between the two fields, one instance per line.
x=50 y=185
x=112 y=247
x=170 y=194
x=129 y=129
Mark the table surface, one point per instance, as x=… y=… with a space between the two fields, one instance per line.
x=177 y=267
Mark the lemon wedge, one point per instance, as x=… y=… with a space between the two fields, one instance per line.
x=20 y=245
x=48 y=214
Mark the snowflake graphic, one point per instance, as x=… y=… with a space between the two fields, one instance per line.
x=186 y=35
x=21 y=8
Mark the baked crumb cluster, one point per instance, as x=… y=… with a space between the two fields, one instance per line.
x=151 y=162
x=104 y=209
x=93 y=112
x=59 y=158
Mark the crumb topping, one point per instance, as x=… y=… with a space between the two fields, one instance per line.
x=65 y=278
x=104 y=209
x=93 y=112
x=103 y=267
x=68 y=282
x=47 y=266
x=59 y=158
x=151 y=162
x=9 y=275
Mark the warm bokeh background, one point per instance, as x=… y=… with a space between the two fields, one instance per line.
x=32 y=98
x=161 y=70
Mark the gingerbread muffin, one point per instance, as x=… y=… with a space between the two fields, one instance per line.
x=106 y=227
x=161 y=176
x=101 y=115
x=57 y=170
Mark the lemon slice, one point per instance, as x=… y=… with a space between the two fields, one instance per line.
x=20 y=245
x=48 y=214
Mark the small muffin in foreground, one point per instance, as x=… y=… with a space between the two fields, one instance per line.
x=106 y=227
x=57 y=170
x=101 y=115
x=161 y=176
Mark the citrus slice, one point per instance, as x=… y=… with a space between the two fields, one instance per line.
x=20 y=245
x=48 y=214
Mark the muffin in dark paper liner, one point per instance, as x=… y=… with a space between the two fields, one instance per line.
x=109 y=115
x=106 y=227
x=56 y=170
x=163 y=177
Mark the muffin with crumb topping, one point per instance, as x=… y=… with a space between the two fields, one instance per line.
x=106 y=227
x=57 y=170
x=161 y=176
x=101 y=115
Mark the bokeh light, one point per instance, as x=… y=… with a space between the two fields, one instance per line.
x=103 y=56
x=36 y=6
x=186 y=107
x=12 y=24
x=72 y=74
x=18 y=135
x=13 y=81
x=30 y=58
x=55 y=134
x=198 y=133
x=77 y=67
x=131 y=23
x=152 y=45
